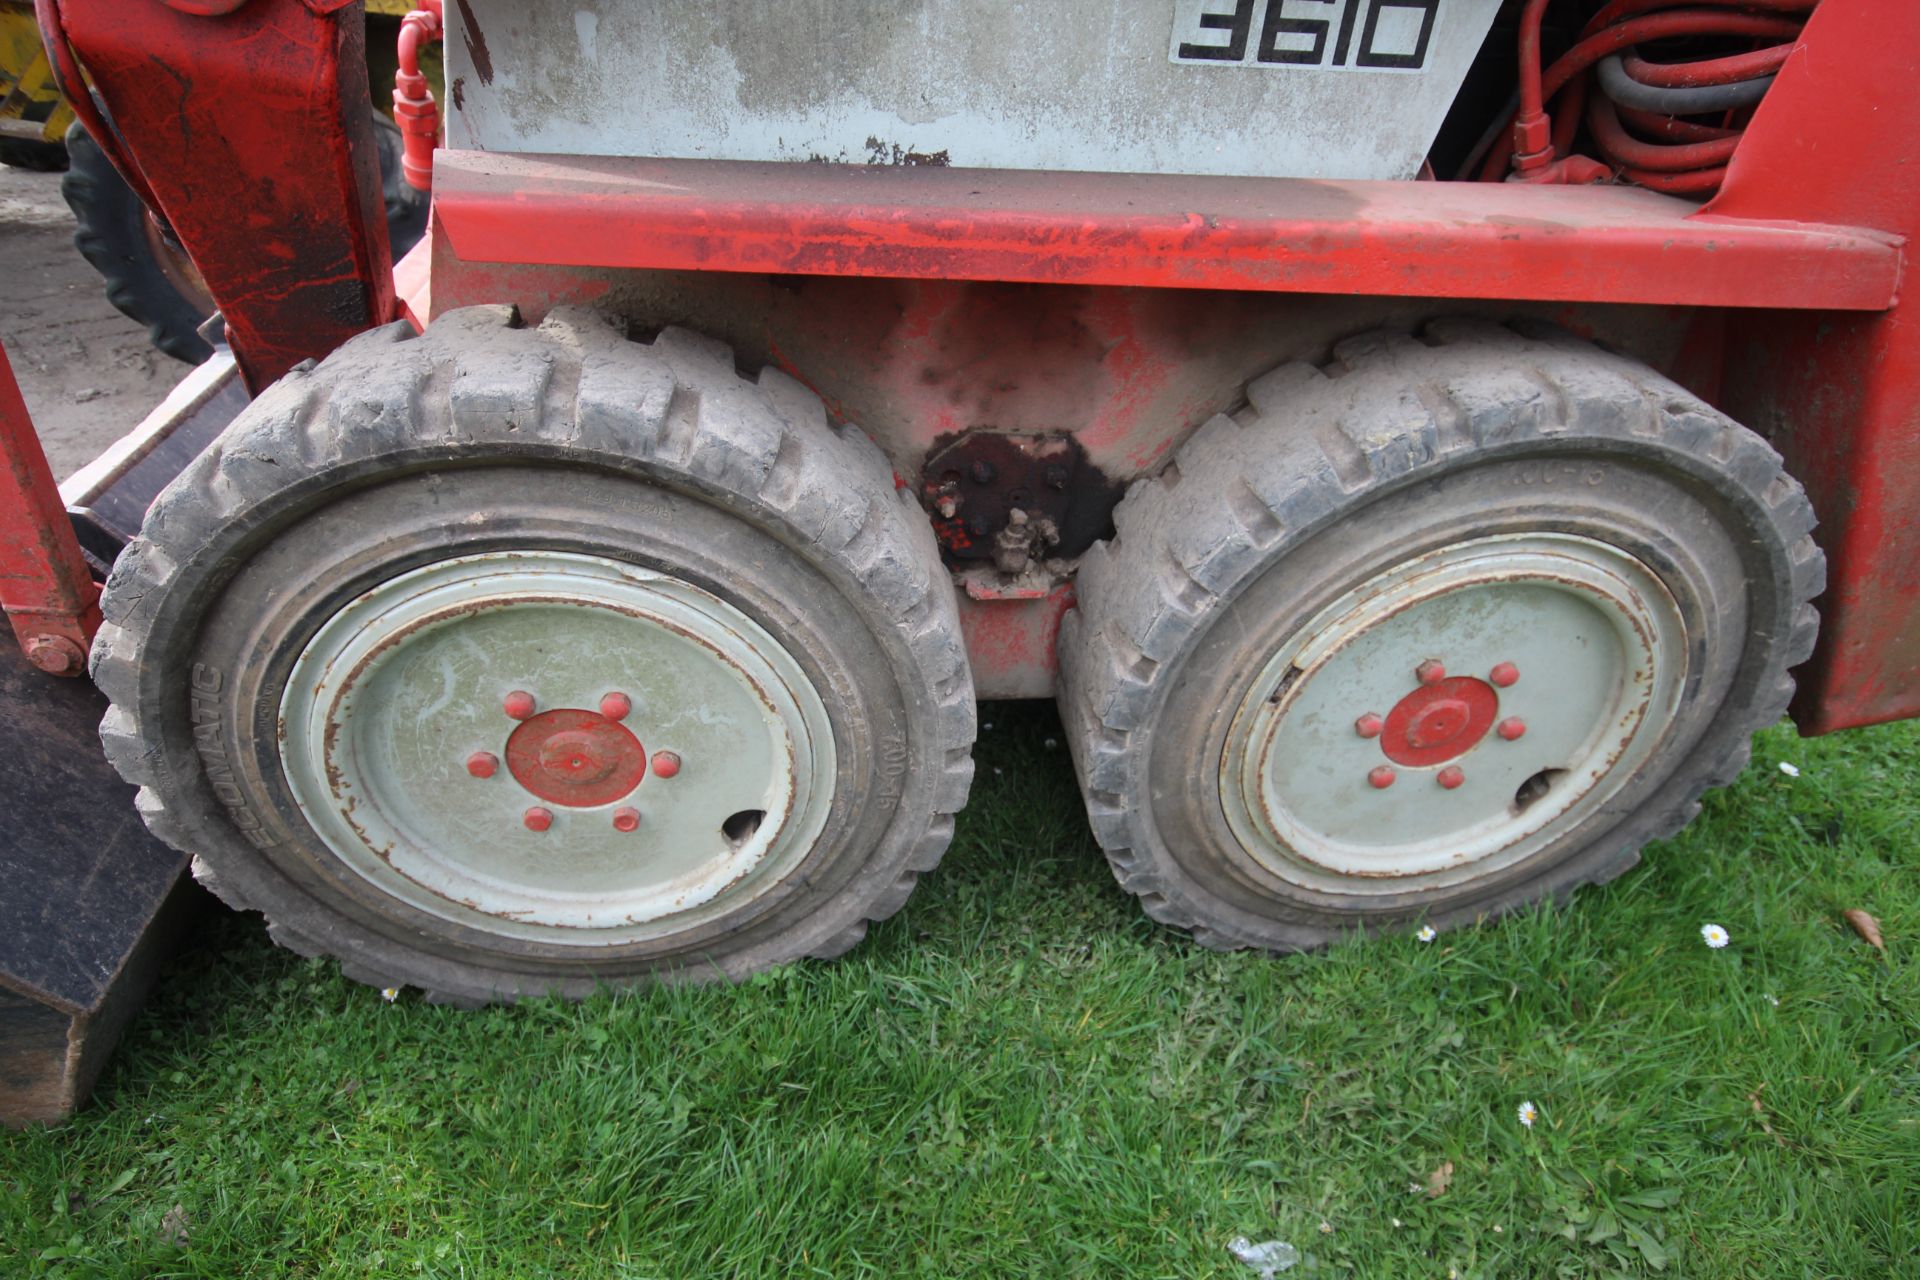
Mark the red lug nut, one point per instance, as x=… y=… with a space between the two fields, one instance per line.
x=1432 y=671
x=481 y=764
x=1504 y=674
x=1381 y=777
x=519 y=704
x=537 y=818
x=1369 y=725
x=1511 y=728
x=665 y=764
x=1451 y=776
x=615 y=706
x=626 y=818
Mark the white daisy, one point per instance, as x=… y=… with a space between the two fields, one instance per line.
x=1528 y=1113
x=1326 y=1228
x=1714 y=936
x=390 y=994
x=1791 y=770
x=1427 y=933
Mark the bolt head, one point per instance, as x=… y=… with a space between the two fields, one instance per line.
x=537 y=818
x=483 y=764
x=1504 y=674
x=1511 y=728
x=665 y=764
x=1451 y=776
x=1056 y=476
x=519 y=704
x=56 y=655
x=616 y=706
x=983 y=472
x=1369 y=725
x=626 y=818
x=1432 y=671
x=1381 y=777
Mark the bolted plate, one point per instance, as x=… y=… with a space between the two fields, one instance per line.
x=399 y=713
x=1453 y=715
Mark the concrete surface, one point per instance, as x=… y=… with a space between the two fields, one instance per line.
x=87 y=371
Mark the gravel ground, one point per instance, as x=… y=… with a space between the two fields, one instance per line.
x=87 y=371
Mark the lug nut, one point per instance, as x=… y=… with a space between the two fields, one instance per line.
x=983 y=473
x=1381 y=777
x=537 y=818
x=1511 y=728
x=626 y=818
x=1056 y=476
x=1451 y=776
x=1504 y=674
x=1432 y=671
x=616 y=706
x=665 y=764
x=482 y=764
x=519 y=704
x=1369 y=725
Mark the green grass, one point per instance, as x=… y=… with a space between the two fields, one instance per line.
x=1020 y=1075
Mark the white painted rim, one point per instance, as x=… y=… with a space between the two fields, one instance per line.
x=396 y=691
x=1600 y=647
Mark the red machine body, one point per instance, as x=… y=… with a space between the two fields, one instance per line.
x=1124 y=309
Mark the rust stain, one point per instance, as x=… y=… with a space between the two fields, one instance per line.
x=476 y=44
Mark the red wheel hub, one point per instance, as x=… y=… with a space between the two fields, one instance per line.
x=1439 y=721
x=576 y=758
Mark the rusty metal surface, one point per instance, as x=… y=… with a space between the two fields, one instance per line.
x=46 y=588
x=1839 y=395
x=1432 y=239
x=255 y=119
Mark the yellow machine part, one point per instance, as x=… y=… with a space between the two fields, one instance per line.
x=26 y=81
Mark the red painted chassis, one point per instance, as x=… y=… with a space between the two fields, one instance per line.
x=920 y=302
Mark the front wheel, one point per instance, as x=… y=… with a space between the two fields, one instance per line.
x=502 y=661
x=1447 y=627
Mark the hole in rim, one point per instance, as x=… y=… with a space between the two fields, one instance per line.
x=740 y=827
x=1530 y=791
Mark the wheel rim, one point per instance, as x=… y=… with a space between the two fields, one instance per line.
x=1454 y=715
x=557 y=747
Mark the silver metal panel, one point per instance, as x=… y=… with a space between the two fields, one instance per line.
x=1270 y=88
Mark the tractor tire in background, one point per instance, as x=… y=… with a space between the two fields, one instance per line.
x=1445 y=627
x=501 y=661
x=149 y=277
x=26 y=153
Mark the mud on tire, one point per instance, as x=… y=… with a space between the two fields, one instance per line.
x=479 y=435
x=1397 y=449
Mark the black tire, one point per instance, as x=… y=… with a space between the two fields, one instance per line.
x=25 y=153
x=1333 y=475
x=566 y=437
x=114 y=233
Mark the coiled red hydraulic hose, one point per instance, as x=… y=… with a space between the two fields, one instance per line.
x=1623 y=111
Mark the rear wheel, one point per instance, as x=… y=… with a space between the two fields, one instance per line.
x=1442 y=629
x=503 y=661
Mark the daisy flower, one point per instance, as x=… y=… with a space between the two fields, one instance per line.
x=1791 y=770
x=1326 y=1228
x=1528 y=1113
x=1427 y=933
x=389 y=994
x=1714 y=936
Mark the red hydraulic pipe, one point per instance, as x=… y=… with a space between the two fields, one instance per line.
x=1532 y=129
x=1729 y=70
x=49 y=596
x=1628 y=151
x=413 y=107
